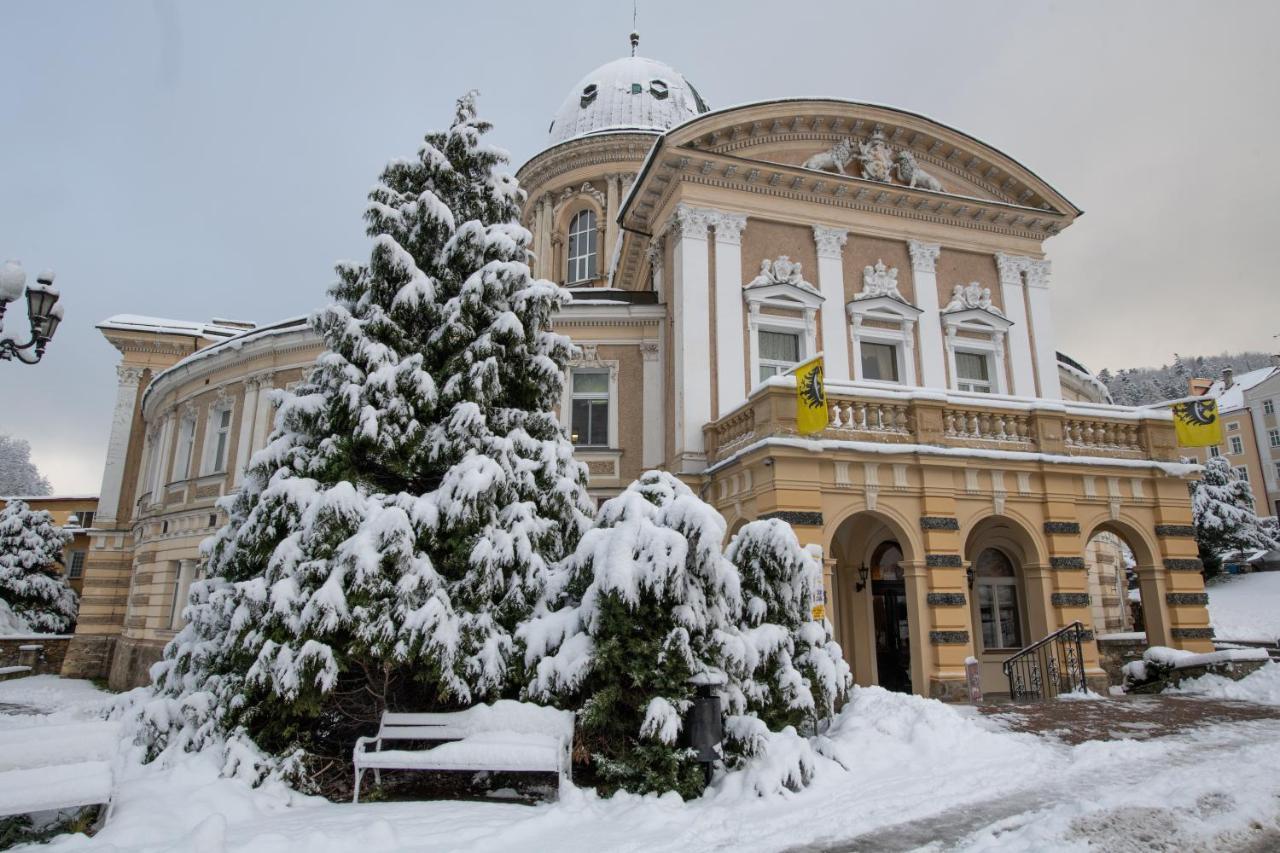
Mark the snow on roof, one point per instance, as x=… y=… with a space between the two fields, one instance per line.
x=160 y=325
x=48 y=497
x=631 y=93
x=1231 y=399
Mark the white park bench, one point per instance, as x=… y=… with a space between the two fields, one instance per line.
x=54 y=767
x=506 y=736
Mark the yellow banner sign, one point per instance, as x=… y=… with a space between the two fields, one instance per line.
x=1197 y=423
x=819 y=612
x=811 y=397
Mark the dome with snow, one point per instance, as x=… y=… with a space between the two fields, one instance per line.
x=632 y=93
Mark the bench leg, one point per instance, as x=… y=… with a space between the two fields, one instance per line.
x=377 y=776
x=355 y=795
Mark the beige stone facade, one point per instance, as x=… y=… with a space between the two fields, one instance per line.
x=965 y=467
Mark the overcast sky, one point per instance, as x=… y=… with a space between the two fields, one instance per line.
x=194 y=160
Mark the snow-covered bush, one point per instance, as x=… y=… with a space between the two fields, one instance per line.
x=643 y=609
x=1222 y=510
x=30 y=549
x=403 y=518
x=791 y=671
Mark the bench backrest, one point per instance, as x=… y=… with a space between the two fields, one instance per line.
x=504 y=715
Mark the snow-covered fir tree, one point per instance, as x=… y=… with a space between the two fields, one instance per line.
x=791 y=671
x=18 y=474
x=30 y=551
x=414 y=494
x=648 y=602
x=1223 y=514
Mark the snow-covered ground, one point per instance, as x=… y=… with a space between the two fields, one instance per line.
x=1246 y=607
x=897 y=773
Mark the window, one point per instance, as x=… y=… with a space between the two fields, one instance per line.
x=220 y=429
x=973 y=372
x=1234 y=427
x=1242 y=472
x=779 y=352
x=1277 y=466
x=1268 y=407
x=582 y=247
x=84 y=518
x=75 y=568
x=880 y=362
x=590 y=423
x=1237 y=446
x=185 y=573
x=996 y=585
x=1274 y=437
x=1215 y=452
x=182 y=459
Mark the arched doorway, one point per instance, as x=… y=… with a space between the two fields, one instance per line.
x=1000 y=603
x=889 y=614
x=1125 y=575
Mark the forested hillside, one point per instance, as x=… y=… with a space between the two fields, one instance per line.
x=1137 y=386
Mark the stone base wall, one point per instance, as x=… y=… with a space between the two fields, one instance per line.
x=131 y=663
x=1114 y=654
x=45 y=660
x=949 y=690
x=89 y=656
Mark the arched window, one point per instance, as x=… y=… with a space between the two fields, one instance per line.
x=582 y=247
x=996 y=586
x=886 y=562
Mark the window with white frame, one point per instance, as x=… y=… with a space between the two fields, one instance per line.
x=1268 y=407
x=582 y=247
x=1233 y=427
x=184 y=576
x=880 y=362
x=1214 y=451
x=996 y=590
x=779 y=352
x=1277 y=467
x=589 y=416
x=182 y=456
x=84 y=518
x=1273 y=436
x=1237 y=445
x=217 y=440
x=1242 y=472
x=973 y=371
x=75 y=567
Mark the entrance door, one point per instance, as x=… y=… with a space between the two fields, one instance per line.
x=893 y=634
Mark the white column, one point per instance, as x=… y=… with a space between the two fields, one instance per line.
x=654 y=405
x=835 y=334
x=248 y=420
x=160 y=471
x=1041 y=322
x=691 y=336
x=730 y=352
x=1015 y=308
x=264 y=416
x=924 y=260
x=118 y=445
x=611 y=224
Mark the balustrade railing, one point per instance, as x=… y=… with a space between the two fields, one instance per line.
x=1103 y=437
x=870 y=416
x=982 y=425
x=1050 y=666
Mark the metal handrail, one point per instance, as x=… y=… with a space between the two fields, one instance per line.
x=1042 y=669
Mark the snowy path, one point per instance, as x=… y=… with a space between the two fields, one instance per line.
x=920 y=775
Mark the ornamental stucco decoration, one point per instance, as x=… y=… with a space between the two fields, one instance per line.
x=876 y=158
x=586 y=189
x=834 y=158
x=972 y=295
x=878 y=280
x=910 y=173
x=830 y=241
x=924 y=256
x=781 y=270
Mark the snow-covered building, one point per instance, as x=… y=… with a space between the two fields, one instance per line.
x=74 y=513
x=966 y=464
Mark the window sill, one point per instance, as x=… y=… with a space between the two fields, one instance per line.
x=603 y=463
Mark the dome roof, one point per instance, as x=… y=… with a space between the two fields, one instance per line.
x=632 y=93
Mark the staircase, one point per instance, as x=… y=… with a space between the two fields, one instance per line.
x=1049 y=666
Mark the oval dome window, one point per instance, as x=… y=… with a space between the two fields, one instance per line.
x=588 y=94
x=659 y=89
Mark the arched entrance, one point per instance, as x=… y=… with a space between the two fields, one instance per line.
x=1124 y=570
x=878 y=601
x=1000 y=603
x=891 y=620
x=1008 y=593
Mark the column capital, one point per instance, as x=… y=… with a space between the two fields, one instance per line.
x=1011 y=267
x=649 y=350
x=830 y=241
x=690 y=223
x=924 y=256
x=653 y=254
x=1038 y=273
x=729 y=226
x=129 y=375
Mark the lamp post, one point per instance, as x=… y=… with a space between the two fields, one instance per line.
x=43 y=312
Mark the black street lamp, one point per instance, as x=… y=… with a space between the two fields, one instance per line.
x=43 y=312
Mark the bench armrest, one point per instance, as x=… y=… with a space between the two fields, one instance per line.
x=361 y=742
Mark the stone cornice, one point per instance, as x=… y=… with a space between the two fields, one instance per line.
x=545 y=166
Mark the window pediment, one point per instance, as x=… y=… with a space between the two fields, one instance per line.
x=977 y=319
x=781 y=285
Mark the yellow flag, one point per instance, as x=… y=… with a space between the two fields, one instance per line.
x=1197 y=423
x=811 y=397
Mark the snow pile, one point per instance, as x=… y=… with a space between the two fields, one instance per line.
x=10 y=622
x=1246 y=607
x=1158 y=662
x=1262 y=686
